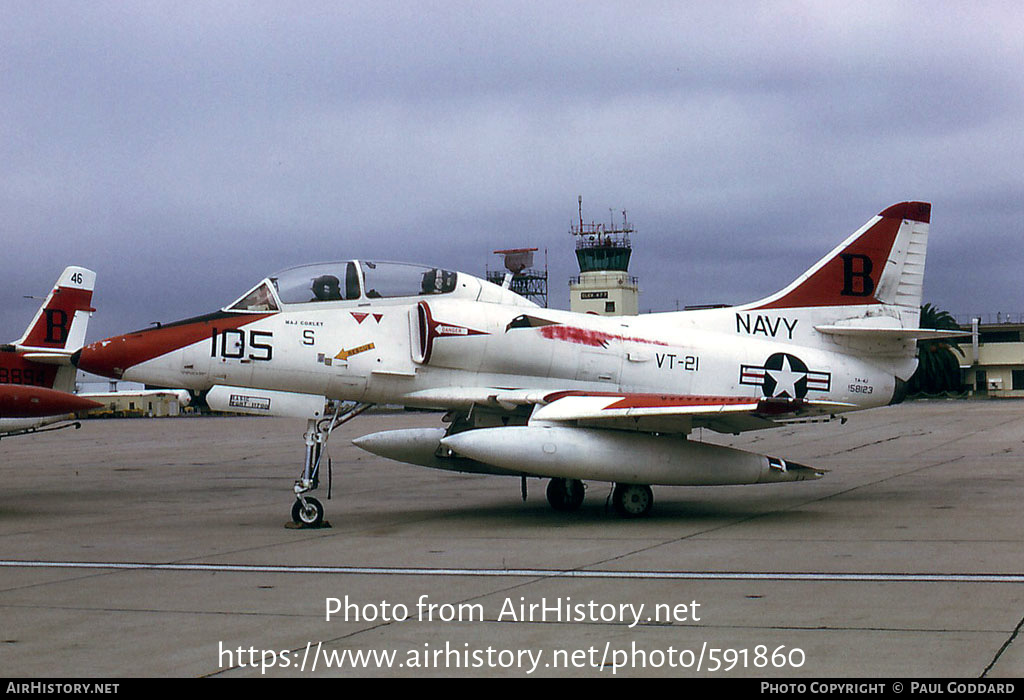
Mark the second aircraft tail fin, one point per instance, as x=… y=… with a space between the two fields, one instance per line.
x=60 y=323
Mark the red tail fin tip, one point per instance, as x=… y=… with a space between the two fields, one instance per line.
x=913 y=211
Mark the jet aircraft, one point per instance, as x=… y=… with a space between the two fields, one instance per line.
x=36 y=374
x=537 y=392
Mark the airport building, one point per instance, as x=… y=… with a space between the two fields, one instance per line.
x=147 y=404
x=133 y=400
x=993 y=360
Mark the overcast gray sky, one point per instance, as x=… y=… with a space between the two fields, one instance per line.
x=185 y=150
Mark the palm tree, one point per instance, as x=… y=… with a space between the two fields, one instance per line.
x=938 y=369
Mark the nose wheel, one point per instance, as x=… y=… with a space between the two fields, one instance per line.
x=308 y=512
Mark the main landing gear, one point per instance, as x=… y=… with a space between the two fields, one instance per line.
x=632 y=500
x=308 y=511
x=566 y=494
x=628 y=500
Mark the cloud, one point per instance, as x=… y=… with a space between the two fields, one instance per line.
x=199 y=147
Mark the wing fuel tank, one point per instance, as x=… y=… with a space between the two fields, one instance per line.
x=422 y=446
x=624 y=457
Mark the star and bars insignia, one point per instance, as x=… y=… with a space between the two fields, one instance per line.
x=785 y=375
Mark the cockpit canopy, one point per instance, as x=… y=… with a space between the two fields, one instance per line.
x=344 y=281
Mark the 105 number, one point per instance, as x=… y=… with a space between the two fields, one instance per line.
x=232 y=344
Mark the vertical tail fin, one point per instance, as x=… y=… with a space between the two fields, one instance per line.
x=881 y=263
x=61 y=321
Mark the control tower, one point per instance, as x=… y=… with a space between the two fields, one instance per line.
x=604 y=285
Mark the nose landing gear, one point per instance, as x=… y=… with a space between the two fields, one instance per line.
x=308 y=512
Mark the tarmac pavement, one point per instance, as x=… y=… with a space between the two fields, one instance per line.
x=159 y=547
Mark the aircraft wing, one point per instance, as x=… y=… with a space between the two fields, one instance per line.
x=673 y=413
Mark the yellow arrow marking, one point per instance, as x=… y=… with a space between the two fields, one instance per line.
x=345 y=354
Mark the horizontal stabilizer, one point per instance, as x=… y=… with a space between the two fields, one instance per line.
x=49 y=357
x=881 y=333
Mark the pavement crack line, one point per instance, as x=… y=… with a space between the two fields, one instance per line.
x=1006 y=645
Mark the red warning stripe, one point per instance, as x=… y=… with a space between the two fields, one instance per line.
x=653 y=400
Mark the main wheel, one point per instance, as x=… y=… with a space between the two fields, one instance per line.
x=565 y=494
x=632 y=500
x=310 y=516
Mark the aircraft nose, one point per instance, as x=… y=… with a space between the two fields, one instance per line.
x=106 y=358
x=124 y=354
x=20 y=401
